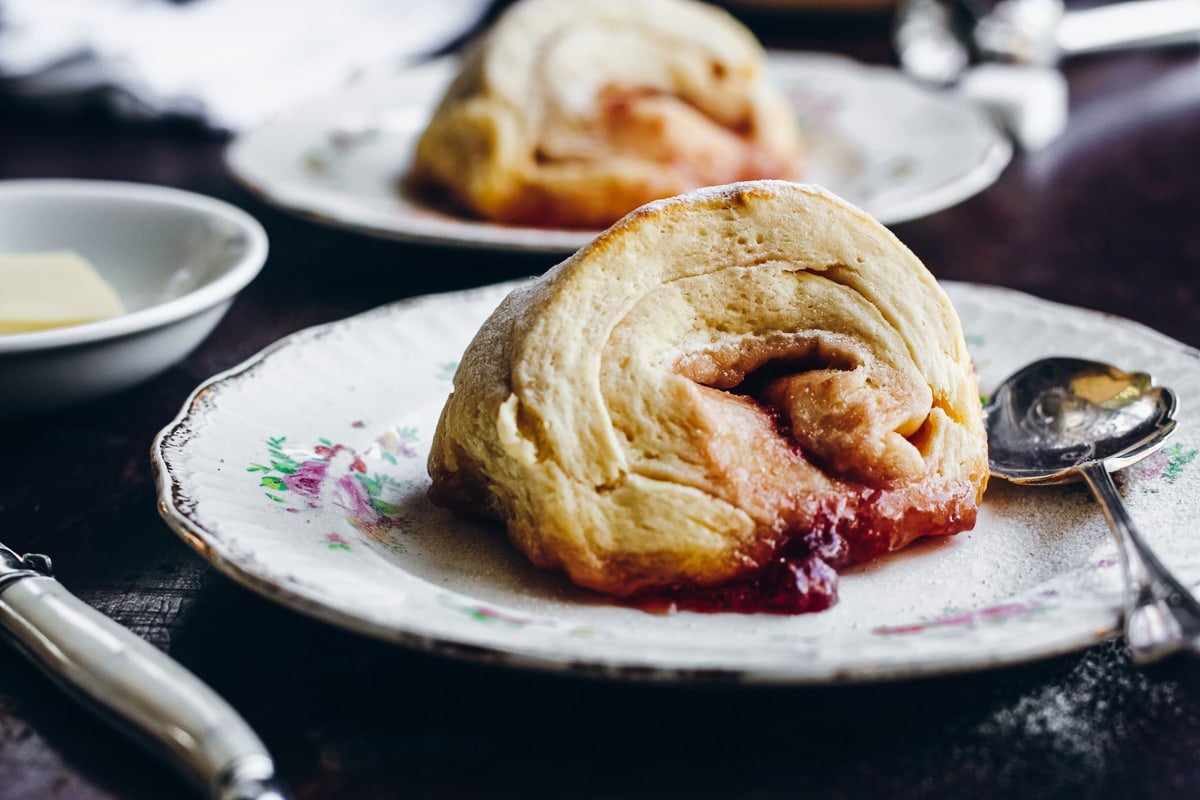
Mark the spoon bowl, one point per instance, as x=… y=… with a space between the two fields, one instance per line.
x=1060 y=419
x=1053 y=416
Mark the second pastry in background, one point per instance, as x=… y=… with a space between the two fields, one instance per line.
x=570 y=113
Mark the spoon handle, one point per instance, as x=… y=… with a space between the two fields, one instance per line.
x=1161 y=615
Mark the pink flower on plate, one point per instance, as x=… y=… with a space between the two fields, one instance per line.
x=1152 y=467
x=353 y=499
x=307 y=479
x=995 y=613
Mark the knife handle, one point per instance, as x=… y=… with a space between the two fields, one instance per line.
x=138 y=688
x=1130 y=23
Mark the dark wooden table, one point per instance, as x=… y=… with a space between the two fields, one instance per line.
x=1108 y=217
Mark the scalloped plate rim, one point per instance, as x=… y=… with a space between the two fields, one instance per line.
x=432 y=639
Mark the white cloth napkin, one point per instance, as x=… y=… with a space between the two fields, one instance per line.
x=230 y=63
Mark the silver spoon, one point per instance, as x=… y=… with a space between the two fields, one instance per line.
x=1062 y=418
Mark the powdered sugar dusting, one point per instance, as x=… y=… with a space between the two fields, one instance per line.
x=1081 y=722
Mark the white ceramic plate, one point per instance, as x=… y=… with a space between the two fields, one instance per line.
x=302 y=475
x=882 y=142
x=176 y=259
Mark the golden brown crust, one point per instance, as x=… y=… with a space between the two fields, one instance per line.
x=573 y=112
x=714 y=374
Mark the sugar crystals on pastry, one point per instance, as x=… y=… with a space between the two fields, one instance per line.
x=574 y=112
x=725 y=397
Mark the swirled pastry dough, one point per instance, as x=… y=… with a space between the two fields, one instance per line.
x=717 y=375
x=575 y=112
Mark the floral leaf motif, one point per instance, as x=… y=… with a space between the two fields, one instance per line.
x=372 y=483
x=356 y=491
x=281 y=461
x=1177 y=459
x=1164 y=467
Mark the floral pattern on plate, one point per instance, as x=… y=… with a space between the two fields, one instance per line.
x=321 y=505
x=300 y=479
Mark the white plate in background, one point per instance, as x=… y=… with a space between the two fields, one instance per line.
x=893 y=148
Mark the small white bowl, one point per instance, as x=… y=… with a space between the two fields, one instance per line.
x=176 y=259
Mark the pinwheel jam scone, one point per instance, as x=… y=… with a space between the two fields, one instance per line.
x=574 y=112
x=721 y=400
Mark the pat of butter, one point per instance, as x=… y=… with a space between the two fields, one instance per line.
x=51 y=290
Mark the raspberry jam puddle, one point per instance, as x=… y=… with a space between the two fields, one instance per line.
x=801 y=579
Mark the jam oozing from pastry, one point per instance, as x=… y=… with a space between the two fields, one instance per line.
x=819 y=514
x=800 y=579
x=802 y=576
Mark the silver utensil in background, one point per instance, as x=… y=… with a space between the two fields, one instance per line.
x=932 y=39
x=1059 y=419
x=936 y=41
x=132 y=683
x=1045 y=31
x=1004 y=56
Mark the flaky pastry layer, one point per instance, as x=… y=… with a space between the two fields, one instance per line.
x=574 y=112
x=715 y=375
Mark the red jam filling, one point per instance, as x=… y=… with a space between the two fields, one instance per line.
x=801 y=578
x=853 y=523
